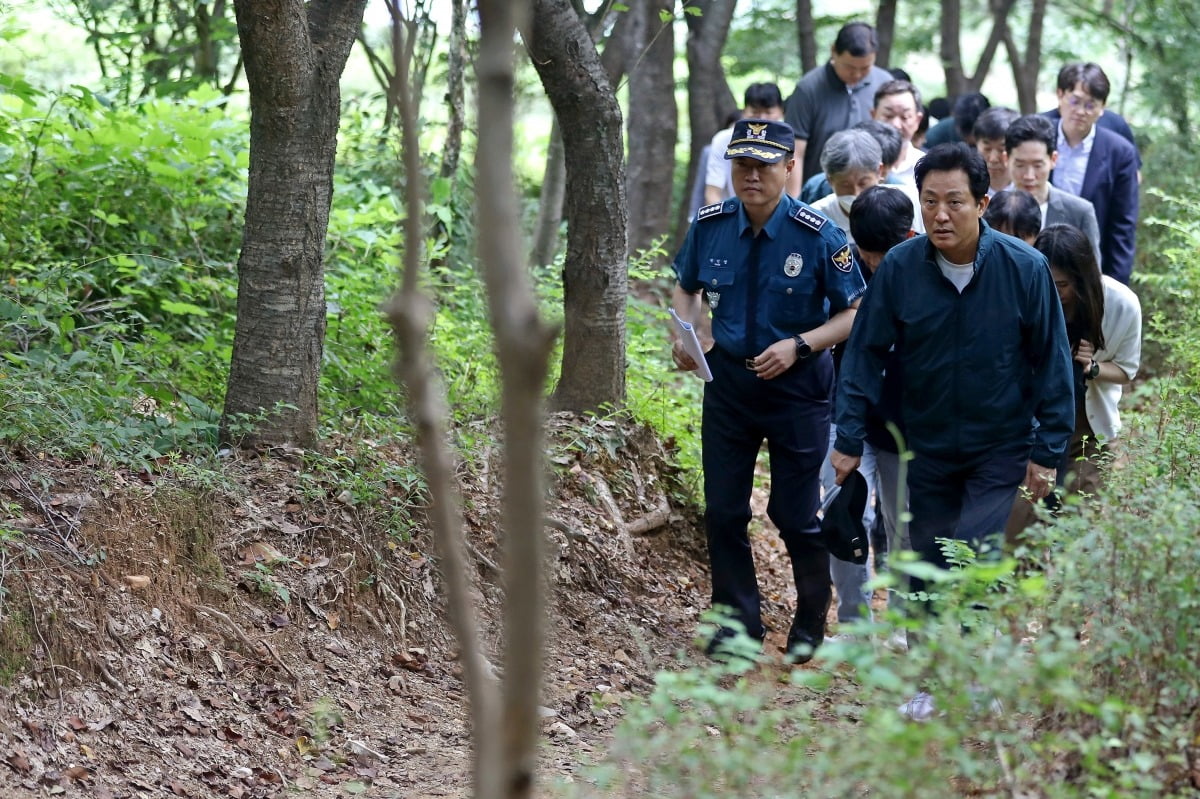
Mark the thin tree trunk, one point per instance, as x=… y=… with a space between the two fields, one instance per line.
x=885 y=29
x=295 y=52
x=524 y=346
x=1026 y=68
x=709 y=97
x=455 y=71
x=594 y=274
x=652 y=127
x=550 y=201
x=807 y=35
x=950 y=49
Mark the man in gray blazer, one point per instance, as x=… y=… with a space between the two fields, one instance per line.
x=1031 y=142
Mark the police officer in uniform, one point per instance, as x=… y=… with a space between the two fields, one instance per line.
x=782 y=284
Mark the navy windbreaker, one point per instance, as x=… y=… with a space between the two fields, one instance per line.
x=988 y=367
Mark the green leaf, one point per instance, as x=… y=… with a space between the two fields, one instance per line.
x=695 y=11
x=182 y=308
x=665 y=16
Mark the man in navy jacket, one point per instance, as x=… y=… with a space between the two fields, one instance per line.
x=974 y=320
x=1098 y=165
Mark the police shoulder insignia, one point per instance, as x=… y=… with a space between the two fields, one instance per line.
x=842 y=259
x=809 y=218
x=710 y=210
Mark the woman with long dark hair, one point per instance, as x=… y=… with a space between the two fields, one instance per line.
x=1104 y=328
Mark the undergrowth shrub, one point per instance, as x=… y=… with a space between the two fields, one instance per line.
x=1069 y=672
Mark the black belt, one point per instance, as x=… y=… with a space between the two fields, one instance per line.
x=746 y=362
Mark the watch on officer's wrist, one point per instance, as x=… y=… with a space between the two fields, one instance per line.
x=802 y=348
x=1093 y=371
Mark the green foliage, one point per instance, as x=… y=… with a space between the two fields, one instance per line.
x=657 y=393
x=1077 y=680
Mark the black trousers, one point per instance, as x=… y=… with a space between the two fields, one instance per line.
x=967 y=499
x=790 y=412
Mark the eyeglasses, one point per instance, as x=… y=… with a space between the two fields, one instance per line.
x=1090 y=106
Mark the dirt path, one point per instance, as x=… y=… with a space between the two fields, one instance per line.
x=267 y=656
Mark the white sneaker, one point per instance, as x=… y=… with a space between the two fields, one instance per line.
x=919 y=708
x=978 y=695
x=847 y=638
x=897 y=641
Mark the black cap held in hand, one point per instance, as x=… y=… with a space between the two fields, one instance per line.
x=842 y=525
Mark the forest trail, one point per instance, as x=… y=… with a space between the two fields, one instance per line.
x=193 y=639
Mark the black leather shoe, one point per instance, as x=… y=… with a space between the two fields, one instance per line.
x=802 y=641
x=724 y=647
x=800 y=647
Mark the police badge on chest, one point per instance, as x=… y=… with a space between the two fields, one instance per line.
x=793 y=264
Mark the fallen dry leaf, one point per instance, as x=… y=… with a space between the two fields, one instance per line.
x=19 y=761
x=261 y=551
x=78 y=773
x=136 y=581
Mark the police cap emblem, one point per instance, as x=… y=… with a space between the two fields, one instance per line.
x=793 y=264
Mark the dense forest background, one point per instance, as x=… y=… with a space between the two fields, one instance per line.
x=229 y=226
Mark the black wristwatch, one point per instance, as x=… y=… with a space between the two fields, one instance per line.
x=1092 y=371
x=802 y=348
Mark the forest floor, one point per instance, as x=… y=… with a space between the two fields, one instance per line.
x=241 y=637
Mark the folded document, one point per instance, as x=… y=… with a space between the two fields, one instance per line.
x=691 y=345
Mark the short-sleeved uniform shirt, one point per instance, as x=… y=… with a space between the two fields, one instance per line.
x=787 y=280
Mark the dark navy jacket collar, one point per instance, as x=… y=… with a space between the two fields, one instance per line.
x=987 y=237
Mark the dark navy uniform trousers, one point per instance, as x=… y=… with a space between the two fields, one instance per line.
x=791 y=412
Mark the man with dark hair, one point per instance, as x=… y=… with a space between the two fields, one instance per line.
x=782 y=284
x=989 y=141
x=1098 y=165
x=1014 y=213
x=760 y=101
x=960 y=125
x=833 y=97
x=898 y=103
x=1110 y=119
x=1031 y=143
x=880 y=218
x=973 y=320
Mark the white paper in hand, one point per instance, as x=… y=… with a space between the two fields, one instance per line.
x=691 y=345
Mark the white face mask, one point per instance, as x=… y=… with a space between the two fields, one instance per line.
x=845 y=201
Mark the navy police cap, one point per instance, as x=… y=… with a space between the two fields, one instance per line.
x=761 y=139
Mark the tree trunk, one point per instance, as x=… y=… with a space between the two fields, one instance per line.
x=885 y=29
x=550 y=201
x=1025 y=69
x=957 y=81
x=650 y=173
x=950 y=49
x=709 y=97
x=455 y=71
x=295 y=52
x=524 y=346
x=807 y=36
x=594 y=275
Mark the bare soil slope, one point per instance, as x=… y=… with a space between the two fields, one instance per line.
x=242 y=637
